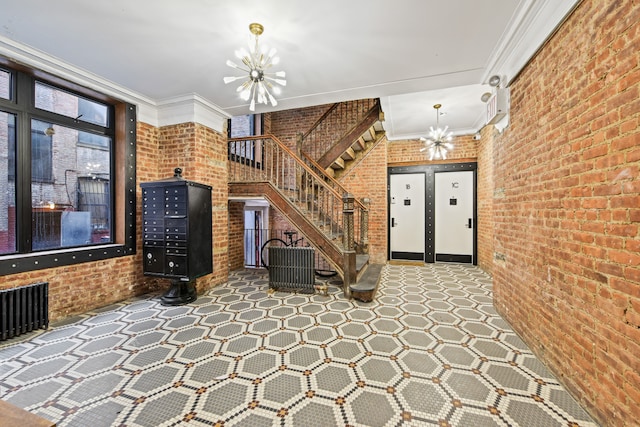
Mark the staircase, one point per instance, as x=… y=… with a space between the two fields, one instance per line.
x=306 y=192
x=362 y=122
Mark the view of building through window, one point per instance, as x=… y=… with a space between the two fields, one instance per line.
x=5 y=85
x=7 y=183
x=70 y=177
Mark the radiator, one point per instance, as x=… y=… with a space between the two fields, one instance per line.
x=292 y=267
x=23 y=309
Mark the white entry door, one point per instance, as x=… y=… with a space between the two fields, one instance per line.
x=407 y=216
x=454 y=216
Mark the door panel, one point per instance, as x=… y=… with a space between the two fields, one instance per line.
x=407 y=213
x=454 y=216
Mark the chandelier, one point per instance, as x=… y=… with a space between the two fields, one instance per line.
x=259 y=86
x=438 y=141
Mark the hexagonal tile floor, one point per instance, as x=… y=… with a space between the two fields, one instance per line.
x=429 y=350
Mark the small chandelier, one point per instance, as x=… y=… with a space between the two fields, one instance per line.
x=259 y=86
x=438 y=141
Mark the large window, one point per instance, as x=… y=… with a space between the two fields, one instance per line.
x=58 y=188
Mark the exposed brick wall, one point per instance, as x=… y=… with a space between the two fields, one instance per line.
x=236 y=235
x=567 y=217
x=82 y=287
x=279 y=222
x=202 y=154
x=369 y=179
x=286 y=125
x=408 y=151
x=485 y=194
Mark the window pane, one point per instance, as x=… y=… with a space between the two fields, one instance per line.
x=41 y=155
x=58 y=101
x=243 y=126
x=7 y=183
x=5 y=84
x=73 y=208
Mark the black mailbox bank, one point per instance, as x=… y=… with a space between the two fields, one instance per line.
x=176 y=234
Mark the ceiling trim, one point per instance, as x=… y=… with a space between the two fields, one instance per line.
x=186 y=108
x=535 y=23
x=191 y=108
x=34 y=58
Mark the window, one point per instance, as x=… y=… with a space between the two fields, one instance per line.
x=60 y=200
x=41 y=140
x=7 y=183
x=246 y=151
x=5 y=84
x=62 y=102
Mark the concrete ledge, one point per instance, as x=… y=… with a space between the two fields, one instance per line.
x=367 y=286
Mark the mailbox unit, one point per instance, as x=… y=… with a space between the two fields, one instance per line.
x=176 y=234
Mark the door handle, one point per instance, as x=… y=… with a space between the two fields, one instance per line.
x=470 y=223
x=393 y=222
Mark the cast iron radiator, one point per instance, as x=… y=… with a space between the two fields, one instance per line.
x=23 y=309
x=292 y=267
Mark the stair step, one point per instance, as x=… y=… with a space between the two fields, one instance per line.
x=369 y=135
x=350 y=154
x=367 y=286
x=360 y=144
x=338 y=163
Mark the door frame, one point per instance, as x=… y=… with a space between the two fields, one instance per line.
x=390 y=218
x=430 y=187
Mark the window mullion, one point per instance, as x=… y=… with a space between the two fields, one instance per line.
x=24 y=97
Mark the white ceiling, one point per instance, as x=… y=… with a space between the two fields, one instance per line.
x=411 y=54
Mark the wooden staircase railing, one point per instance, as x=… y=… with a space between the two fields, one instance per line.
x=362 y=245
x=330 y=221
x=320 y=138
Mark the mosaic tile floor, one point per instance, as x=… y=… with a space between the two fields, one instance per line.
x=429 y=351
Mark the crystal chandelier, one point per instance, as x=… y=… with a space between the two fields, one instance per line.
x=438 y=141
x=259 y=87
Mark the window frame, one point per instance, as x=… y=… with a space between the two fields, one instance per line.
x=247 y=156
x=123 y=172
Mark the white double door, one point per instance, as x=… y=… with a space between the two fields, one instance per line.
x=451 y=219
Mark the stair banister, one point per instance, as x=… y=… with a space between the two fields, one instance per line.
x=265 y=159
x=332 y=181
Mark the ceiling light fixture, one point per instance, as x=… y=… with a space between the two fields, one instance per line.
x=259 y=87
x=438 y=141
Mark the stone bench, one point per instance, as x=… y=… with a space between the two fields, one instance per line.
x=367 y=286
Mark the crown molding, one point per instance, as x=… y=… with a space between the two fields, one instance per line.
x=191 y=108
x=187 y=108
x=534 y=23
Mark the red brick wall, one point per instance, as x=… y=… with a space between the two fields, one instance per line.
x=202 y=155
x=485 y=194
x=236 y=235
x=369 y=179
x=408 y=151
x=82 y=287
x=567 y=220
x=279 y=223
x=78 y=288
x=285 y=125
